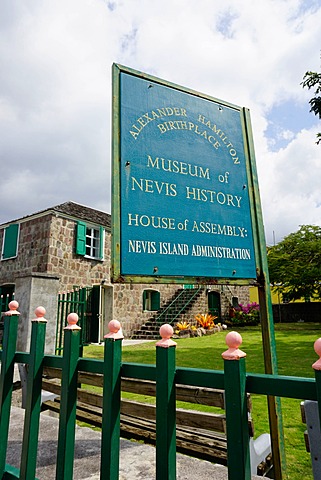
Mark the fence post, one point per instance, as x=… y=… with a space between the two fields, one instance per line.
x=6 y=377
x=238 y=454
x=110 y=436
x=33 y=399
x=317 y=371
x=68 y=400
x=165 y=405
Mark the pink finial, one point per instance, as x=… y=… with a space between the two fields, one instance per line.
x=317 y=349
x=72 y=320
x=40 y=314
x=233 y=341
x=13 y=305
x=115 y=330
x=166 y=332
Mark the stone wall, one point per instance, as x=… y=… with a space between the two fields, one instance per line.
x=128 y=304
x=72 y=269
x=47 y=245
x=32 y=250
x=226 y=295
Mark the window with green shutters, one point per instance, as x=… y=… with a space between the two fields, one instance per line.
x=90 y=241
x=151 y=300
x=10 y=241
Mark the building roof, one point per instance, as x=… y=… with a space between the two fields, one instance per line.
x=84 y=213
x=75 y=210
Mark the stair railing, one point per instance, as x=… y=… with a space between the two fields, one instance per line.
x=160 y=317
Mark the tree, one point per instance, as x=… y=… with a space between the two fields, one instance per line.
x=295 y=264
x=310 y=80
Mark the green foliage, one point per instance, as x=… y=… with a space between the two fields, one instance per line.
x=295 y=264
x=311 y=80
x=205 y=320
x=245 y=314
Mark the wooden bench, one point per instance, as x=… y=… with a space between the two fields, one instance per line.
x=198 y=434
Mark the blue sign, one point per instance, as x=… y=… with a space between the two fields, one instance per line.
x=184 y=207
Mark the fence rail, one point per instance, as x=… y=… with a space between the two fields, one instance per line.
x=234 y=380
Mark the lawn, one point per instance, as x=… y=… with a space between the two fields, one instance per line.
x=294 y=344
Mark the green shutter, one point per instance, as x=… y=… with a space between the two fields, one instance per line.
x=81 y=238
x=101 y=243
x=155 y=301
x=10 y=245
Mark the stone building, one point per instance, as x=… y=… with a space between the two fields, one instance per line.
x=67 y=248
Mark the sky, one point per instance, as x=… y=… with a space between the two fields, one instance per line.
x=56 y=58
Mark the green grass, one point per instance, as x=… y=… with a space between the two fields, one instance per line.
x=295 y=353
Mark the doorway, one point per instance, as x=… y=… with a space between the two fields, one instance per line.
x=214 y=304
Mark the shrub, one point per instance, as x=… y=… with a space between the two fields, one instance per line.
x=183 y=326
x=205 y=320
x=245 y=314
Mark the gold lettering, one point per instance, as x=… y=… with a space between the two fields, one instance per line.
x=154 y=186
x=148 y=117
x=205 y=195
x=174 y=166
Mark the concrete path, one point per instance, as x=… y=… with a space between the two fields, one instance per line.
x=137 y=461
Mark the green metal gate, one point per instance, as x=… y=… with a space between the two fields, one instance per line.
x=73 y=301
x=85 y=302
x=6 y=296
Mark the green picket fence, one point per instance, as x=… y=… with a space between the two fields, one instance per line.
x=234 y=380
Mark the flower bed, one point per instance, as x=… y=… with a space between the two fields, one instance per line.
x=205 y=326
x=245 y=315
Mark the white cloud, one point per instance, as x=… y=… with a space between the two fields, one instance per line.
x=55 y=91
x=290 y=191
